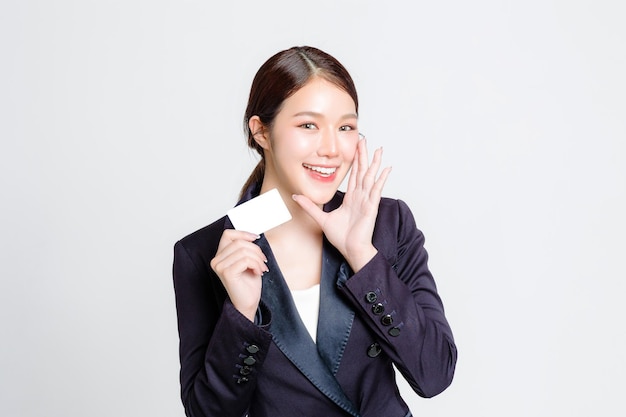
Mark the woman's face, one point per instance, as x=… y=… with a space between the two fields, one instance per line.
x=312 y=142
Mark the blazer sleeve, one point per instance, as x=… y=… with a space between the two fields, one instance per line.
x=396 y=295
x=220 y=349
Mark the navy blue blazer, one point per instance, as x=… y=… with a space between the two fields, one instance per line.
x=387 y=313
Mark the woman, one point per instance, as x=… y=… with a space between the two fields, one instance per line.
x=308 y=318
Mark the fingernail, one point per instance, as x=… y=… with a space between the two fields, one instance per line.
x=293 y=197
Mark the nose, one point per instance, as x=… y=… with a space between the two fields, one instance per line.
x=328 y=144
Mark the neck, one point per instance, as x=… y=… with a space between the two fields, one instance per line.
x=301 y=224
x=300 y=221
x=297 y=246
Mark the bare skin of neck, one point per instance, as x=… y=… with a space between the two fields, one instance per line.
x=297 y=247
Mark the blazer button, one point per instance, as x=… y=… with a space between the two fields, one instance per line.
x=252 y=349
x=374 y=350
x=371 y=297
x=387 y=320
x=242 y=380
x=249 y=361
x=394 y=331
x=245 y=370
x=378 y=309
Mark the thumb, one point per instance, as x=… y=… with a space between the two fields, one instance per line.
x=310 y=208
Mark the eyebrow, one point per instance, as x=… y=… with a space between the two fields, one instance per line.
x=320 y=115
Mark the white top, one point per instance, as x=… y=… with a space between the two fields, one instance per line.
x=308 y=305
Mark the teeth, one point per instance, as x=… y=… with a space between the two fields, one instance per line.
x=321 y=170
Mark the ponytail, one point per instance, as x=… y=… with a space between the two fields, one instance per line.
x=256 y=177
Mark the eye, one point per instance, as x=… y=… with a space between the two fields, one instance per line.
x=308 y=125
x=347 y=128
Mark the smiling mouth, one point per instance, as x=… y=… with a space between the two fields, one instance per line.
x=324 y=171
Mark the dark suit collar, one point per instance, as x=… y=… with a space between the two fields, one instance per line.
x=335 y=316
x=319 y=363
x=251 y=192
x=334 y=202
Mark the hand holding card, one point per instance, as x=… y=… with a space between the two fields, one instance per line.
x=260 y=214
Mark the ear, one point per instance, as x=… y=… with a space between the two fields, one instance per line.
x=260 y=133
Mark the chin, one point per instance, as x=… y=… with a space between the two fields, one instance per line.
x=321 y=198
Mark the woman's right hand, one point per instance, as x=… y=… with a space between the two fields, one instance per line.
x=239 y=263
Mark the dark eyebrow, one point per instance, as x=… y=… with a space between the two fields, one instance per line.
x=320 y=115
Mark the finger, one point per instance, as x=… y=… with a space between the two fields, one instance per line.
x=236 y=249
x=239 y=248
x=377 y=189
x=370 y=176
x=241 y=266
x=238 y=263
x=311 y=209
x=232 y=234
x=353 y=170
x=363 y=162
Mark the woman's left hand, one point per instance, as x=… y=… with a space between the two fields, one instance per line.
x=350 y=227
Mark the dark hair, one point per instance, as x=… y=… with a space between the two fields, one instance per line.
x=280 y=77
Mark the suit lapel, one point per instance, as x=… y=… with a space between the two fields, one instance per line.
x=291 y=337
x=335 y=317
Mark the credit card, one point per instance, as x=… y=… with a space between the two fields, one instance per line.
x=260 y=214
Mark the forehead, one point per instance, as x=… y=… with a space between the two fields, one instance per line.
x=319 y=96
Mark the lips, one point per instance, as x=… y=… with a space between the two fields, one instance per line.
x=323 y=171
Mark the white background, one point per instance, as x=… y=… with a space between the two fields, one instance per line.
x=505 y=122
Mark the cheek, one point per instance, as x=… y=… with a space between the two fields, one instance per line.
x=348 y=148
x=302 y=142
x=290 y=142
